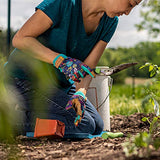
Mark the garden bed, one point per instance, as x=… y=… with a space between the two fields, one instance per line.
x=89 y=149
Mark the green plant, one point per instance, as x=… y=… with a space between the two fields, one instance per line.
x=145 y=140
x=152 y=90
x=143 y=143
x=153 y=69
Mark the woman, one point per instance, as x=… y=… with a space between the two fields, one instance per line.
x=63 y=41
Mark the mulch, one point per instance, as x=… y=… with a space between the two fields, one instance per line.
x=86 y=149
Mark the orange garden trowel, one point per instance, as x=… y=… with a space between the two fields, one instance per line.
x=115 y=69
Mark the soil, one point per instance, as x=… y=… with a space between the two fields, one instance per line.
x=86 y=149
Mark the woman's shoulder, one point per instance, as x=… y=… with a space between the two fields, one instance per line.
x=63 y=3
x=69 y=2
x=66 y=2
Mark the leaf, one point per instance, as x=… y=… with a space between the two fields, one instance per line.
x=151 y=68
x=152 y=73
x=142 y=67
x=144 y=119
x=152 y=101
x=140 y=139
x=146 y=64
x=155 y=119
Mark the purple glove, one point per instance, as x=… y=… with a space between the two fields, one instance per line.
x=77 y=102
x=73 y=68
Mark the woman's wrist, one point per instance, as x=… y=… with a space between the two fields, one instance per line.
x=83 y=90
x=84 y=84
x=58 y=60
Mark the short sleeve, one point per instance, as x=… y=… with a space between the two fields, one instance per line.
x=109 y=28
x=52 y=8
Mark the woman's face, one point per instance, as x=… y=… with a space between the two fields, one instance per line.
x=120 y=7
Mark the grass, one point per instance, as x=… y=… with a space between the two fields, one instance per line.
x=122 y=101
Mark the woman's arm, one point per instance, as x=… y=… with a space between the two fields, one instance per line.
x=91 y=61
x=25 y=38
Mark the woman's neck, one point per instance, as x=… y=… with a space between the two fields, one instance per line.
x=92 y=7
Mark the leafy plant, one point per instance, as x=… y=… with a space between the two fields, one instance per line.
x=153 y=69
x=153 y=93
x=144 y=141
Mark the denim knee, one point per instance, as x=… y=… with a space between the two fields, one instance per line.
x=90 y=128
x=99 y=126
x=87 y=125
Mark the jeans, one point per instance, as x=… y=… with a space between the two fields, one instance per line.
x=34 y=103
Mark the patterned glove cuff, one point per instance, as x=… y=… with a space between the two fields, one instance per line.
x=58 y=60
x=81 y=94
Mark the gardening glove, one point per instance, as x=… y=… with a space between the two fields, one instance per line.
x=77 y=102
x=73 y=68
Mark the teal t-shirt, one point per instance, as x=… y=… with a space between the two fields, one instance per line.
x=66 y=36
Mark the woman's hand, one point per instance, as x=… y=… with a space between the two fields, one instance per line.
x=77 y=102
x=73 y=68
